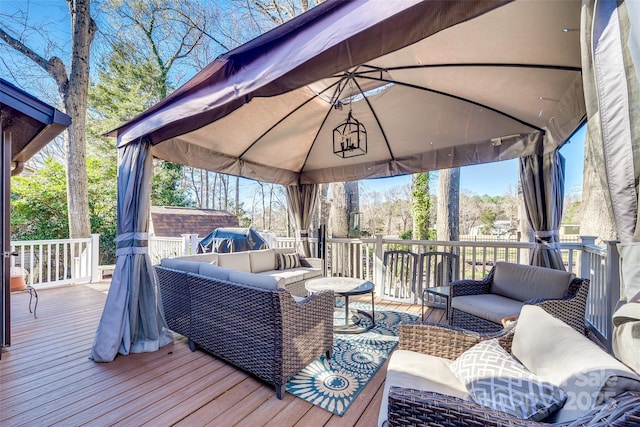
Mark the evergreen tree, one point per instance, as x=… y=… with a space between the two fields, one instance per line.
x=128 y=84
x=39 y=204
x=421 y=206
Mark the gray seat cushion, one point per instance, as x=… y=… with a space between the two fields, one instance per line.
x=526 y=282
x=251 y=279
x=179 y=264
x=490 y=307
x=292 y=275
x=214 y=271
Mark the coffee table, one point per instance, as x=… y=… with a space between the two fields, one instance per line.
x=346 y=287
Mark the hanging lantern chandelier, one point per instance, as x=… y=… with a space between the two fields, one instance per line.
x=350 y=136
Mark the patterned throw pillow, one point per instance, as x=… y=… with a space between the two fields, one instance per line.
x=495 y=379
x=287 y=261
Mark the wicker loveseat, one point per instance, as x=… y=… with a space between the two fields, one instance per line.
x=257 y=327
x=422 y=387
x=480 y=305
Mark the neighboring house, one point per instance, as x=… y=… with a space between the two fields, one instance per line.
x=168 y=221
x=500 y=228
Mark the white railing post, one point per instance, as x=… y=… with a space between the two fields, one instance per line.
x=95 y=258
x=612 y=286
x=186 y=244
x=378 y=275
x=585 y=264
x=195 y=240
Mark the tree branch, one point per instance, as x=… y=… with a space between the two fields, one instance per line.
x=54 y=66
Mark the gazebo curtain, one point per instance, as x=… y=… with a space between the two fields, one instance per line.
x=542 y=178
x=302 y=203
x=132 y=320
x=611 y=71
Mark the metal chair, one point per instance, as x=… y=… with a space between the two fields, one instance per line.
x=400 y=275
x=436 y=270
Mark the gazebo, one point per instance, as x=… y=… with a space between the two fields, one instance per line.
x=368 y=88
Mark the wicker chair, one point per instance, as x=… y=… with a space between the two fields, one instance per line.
x=408 y=407
x=570 y=308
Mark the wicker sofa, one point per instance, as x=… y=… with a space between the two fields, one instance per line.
x=264 y=262
x=421 y=388
x=246 y=319
x=480 y=305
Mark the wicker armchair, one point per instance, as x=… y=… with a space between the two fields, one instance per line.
x=422 y=408
x=408 y=407
x=570 y=308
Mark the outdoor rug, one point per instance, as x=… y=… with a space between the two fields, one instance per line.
x=333 y=384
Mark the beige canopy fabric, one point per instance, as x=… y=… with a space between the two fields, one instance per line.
x=437 y=84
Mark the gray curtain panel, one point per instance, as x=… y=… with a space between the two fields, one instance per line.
x=610 y=44
x=542 y=178
x=302 y=204
x=132 y=319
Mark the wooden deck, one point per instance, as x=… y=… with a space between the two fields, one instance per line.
x=46 y=377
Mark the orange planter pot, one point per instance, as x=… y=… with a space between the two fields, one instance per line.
x=17 y=283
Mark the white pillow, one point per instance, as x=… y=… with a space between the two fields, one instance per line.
x=559 y=354
x=495 y=379
x=238 y=261
x=263 y=260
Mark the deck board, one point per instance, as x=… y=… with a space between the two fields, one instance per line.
x=46 y=377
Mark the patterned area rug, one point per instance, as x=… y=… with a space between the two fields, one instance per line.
x=333 y=384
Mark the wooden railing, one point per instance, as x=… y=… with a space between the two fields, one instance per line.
x=47 y=263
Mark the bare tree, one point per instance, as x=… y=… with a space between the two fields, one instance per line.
x=73 y=85
x=525 y=230
x=597 y=219
x=260 y=16
x=448 y=210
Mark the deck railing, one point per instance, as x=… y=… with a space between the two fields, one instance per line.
x=357 y=257
x=47 y=263
x=171 y=247
x=363 y=258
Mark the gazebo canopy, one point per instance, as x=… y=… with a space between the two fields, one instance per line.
x=436 y=84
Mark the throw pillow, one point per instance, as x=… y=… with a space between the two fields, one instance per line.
x=287 y=261
x=495 y=379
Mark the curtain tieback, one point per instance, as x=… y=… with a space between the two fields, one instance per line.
x=547 y=239
x=302 y=234
x=132 y=243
